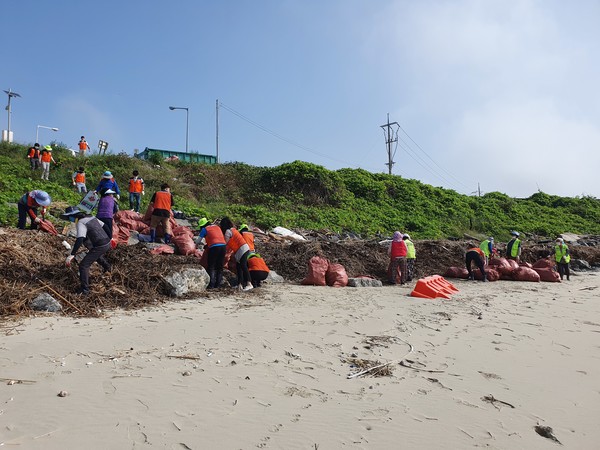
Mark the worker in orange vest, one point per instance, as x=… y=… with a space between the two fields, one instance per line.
x=241 y=250
x=83 y=146
x=46 y=158
x=78 y=178
x=248 y=236
x=34 y=156
x=259 y=271
x=162 y=202
x=215 y=245
x=136 y=190
x=477 y=256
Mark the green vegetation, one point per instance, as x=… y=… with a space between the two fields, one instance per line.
x=304 y=195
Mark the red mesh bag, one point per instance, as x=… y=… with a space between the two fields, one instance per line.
x=317 y=268
x=499 y=262
x=525 y=264
x=543 y=263
x=548 y=275
x=525 y=274
x=336 y=276
x=457 y=272
x=48 y=227
x=163 y=249
x=513 y=264
x=184 y=243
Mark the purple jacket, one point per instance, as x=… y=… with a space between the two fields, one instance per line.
x=107 y=206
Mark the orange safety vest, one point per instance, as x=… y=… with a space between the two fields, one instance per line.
x=236 y=241
x=136 y=185
x=478 y=250
x=83 y=145
x=257 y=263
x=214 y=235
x=162 y=200
x=80 y=177
x=46 y=156
x=249 y=237
x=33 y=153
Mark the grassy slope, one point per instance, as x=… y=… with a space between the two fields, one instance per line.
x=304 y=195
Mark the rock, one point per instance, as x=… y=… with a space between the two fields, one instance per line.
x=45 y=302
x=133 y=238
x=274 y=278
x=364 y=282
x=580 y=264
x=187 y=281
x=184 y=223
x=570 y=238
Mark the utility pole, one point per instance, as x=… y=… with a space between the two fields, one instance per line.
x=390 y=132
x=217 y=131
x=11 y=94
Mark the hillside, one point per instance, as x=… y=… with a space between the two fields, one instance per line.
x=301 y=195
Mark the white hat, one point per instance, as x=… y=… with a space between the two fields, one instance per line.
x=406 y=236
x=515 y=233
x=108 y=175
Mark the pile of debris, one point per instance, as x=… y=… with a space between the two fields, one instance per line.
x=32 y=263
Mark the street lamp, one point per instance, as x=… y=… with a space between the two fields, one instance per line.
x=37 y=132
x=187 y=123
x=11 y=94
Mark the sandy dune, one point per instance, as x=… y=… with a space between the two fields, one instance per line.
x=266 y=370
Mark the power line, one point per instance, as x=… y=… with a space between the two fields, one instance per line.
x=432 y=160
x=280 y=137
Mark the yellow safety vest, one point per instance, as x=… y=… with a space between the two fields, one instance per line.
x=560 y=251
x=514 y=249
x=411 y=253
x=485 y=247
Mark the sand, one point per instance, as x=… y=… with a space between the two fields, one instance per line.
x=268 y=370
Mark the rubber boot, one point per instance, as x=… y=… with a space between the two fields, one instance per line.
x=152 y=235
x=167 y=238
x=485 y=277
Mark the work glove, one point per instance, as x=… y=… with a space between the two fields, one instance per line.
x=69 y=259
x=143 y=193
x=118 y=197
x=74 y=184
x=37 y=220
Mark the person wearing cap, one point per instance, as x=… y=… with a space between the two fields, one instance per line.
x=34 y=156
x=78 y=178
x=487 y=247
x=477 y=256
x=136 y=190
x=562 y=258
x=259 y=271
x=241 y=251
x=248 y=236
x=93 y=234
x=162 y=201
x=397 y=252
x=107 y=207
x=28 y=206
x=215 y=245
x=513 y=247
x=108 y=182
x=46 y=158
x=83 y=146
x=411 y=257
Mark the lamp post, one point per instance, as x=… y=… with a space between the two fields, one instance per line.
x=187 y=123
x=11 y=94
x=37 y=132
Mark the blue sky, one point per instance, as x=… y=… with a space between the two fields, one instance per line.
x=500 y=93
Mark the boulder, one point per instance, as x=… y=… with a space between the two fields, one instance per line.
x=187 y=281
x=45 y=302
x=274 y=278
x=580 y=264
x=364 y=282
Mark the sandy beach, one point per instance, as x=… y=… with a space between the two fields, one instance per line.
x=269 y=370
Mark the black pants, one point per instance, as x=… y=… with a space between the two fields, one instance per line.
x=257 y=276
x=475 y=257
x=95 y=254
x=216 y=256
x=563 y=269
x=243 y=274
x=23 y=213
x=109 y=225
